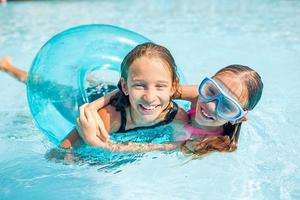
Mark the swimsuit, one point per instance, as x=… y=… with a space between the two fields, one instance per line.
x=190 y=130
x=168 y=119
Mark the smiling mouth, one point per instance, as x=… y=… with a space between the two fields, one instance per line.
x=148 y=108
x=206 y=115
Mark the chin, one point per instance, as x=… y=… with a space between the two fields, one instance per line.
x=210 y=123
x=148 y=119
x=204 y=122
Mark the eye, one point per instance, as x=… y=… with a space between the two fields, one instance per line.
x=210 y=91
x=229 y=107
x=138 y=86
x=161 y=86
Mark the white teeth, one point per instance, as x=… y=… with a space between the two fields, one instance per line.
x=206 y=115
x=148 y=107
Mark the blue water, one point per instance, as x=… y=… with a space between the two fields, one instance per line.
x=203 y=37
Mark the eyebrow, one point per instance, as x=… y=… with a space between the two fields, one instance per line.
x=163 y=82
x=141 y=80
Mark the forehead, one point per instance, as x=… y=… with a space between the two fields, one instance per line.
x=232 y=84
x=149 y=68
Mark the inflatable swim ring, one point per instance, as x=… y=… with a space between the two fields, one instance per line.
x=57 y=83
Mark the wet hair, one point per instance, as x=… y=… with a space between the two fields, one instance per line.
x=228 y=142
x=150 y=50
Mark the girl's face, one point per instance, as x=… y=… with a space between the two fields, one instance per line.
x=149 y=86
x=206 y=115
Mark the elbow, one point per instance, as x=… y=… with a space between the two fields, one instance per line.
x=96 y=142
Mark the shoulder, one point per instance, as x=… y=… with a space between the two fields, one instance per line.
x=110 y=117
x=181 y=115
x=194 y=102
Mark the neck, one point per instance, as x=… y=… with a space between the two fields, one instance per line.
x=134 y=121
x=131 y=117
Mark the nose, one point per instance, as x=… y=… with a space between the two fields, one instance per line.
x=211 y=106
x=149 y=96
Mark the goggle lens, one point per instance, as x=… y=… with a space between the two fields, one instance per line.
x=209 y=91
x=228 y=109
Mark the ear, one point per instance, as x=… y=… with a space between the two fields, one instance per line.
x=243 y=119
x=175 y=86
x=124 y=86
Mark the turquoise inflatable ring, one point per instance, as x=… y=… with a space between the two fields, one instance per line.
x=56 y=84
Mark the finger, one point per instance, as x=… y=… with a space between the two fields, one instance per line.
x=82 y=113
x=103 y=132
x=78 y=122
x=101 y=136
x=79 y=125
x=88 y=113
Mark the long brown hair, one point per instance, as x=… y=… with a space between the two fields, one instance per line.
x=228 y=142
x=149 y=49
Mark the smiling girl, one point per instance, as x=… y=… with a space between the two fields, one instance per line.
x=147 y=85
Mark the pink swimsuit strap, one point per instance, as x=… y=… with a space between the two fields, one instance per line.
x=191 y=112
x=197 y=131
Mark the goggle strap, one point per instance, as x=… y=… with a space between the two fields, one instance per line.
x=236 y=132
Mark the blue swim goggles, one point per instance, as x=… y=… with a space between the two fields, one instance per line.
x=227 y=108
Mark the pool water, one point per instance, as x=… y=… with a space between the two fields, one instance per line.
x=203 y=36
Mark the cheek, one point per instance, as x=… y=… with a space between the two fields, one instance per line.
x=134 y=95
x=199 y=103
x=169 y=91
x=164 y=96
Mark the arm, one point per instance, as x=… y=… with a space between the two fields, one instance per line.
x=87 y=126
x=72 y=138
x=95 y=107
x=7 y=66
x=181 y=116
x=101 y=102
x=187 y=92
x=139 y=147
x=94 y=127
x=102 y=128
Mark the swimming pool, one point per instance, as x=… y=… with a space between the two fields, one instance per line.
x=203 y=37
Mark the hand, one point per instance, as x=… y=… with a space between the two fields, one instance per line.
x=102 y=132
x=89 y=129
x=5 y=63
x=196 y=144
